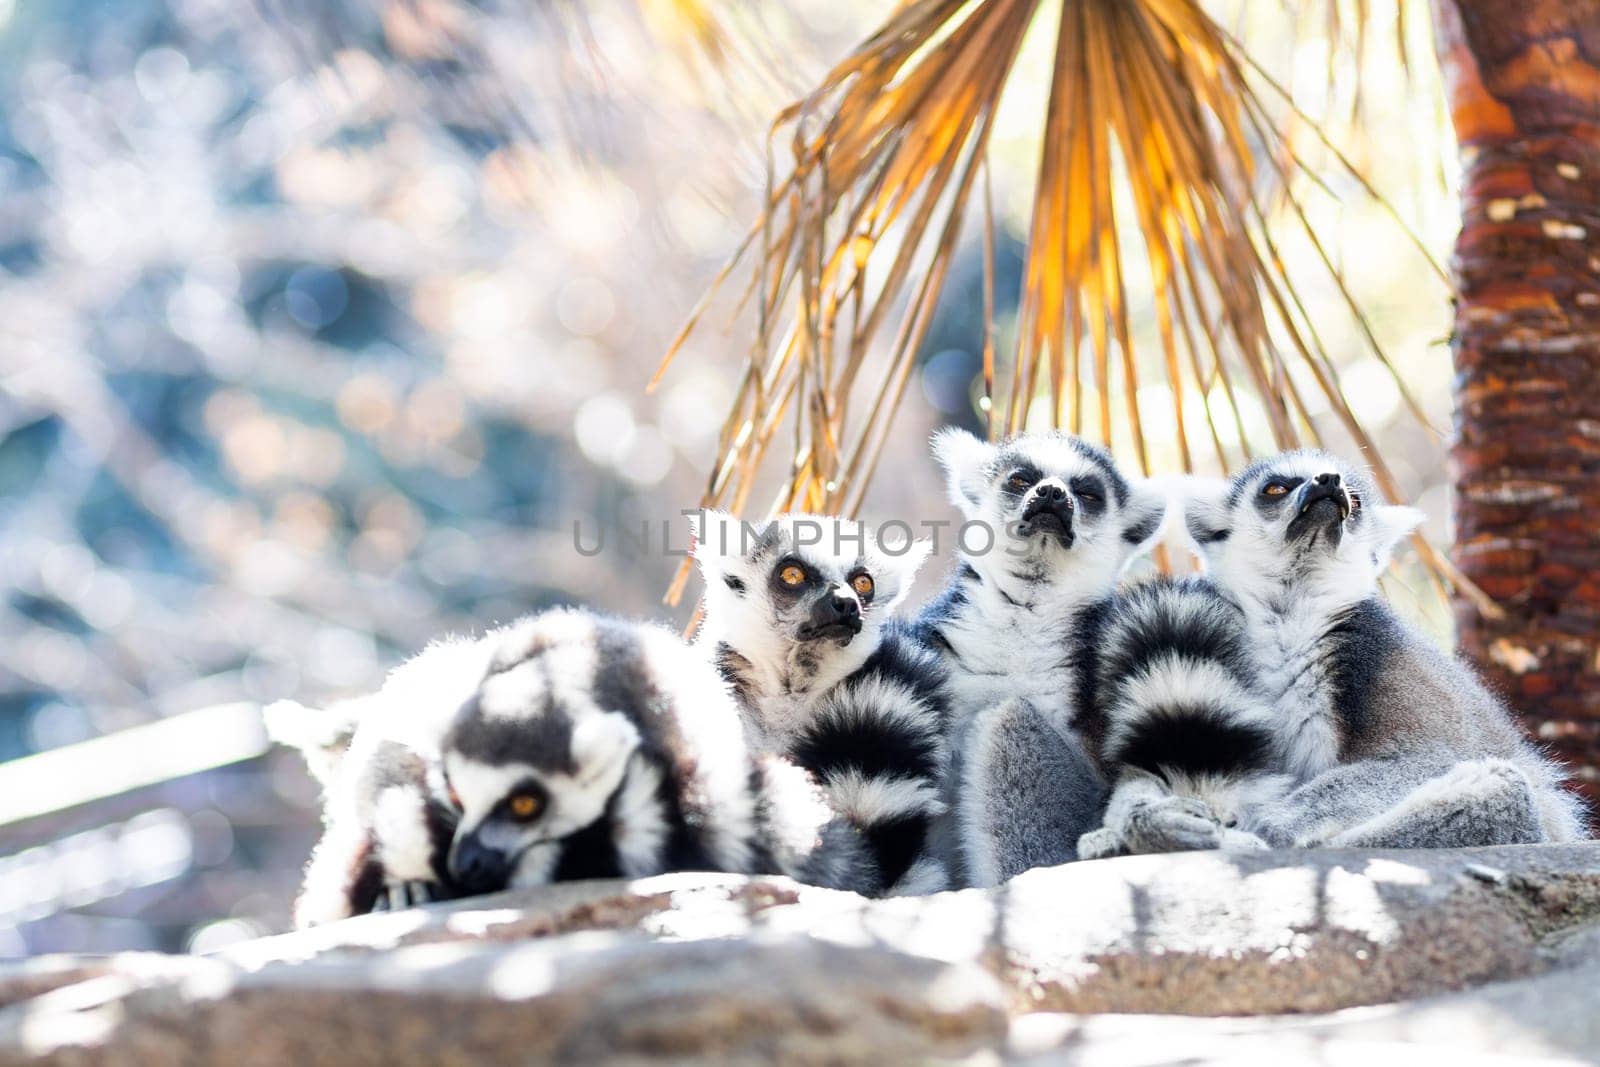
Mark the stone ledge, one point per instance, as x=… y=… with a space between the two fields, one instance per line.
x=690 y=966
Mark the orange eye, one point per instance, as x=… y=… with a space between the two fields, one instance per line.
x=524 y=806
x=792 y=574
x=862 y=584
x=1275 y=489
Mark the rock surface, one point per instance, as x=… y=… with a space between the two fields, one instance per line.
x=1483 y=952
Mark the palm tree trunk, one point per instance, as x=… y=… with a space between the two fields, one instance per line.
x=1524 y=83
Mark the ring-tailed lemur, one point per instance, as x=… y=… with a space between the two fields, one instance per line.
x=1391 y=742
x=387 y=819
x=597 y=748
x=1051 y=524
x=798 y=620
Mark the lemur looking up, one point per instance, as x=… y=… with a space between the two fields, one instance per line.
x=1388 y=741
x=798 y=620
x=1051 y=525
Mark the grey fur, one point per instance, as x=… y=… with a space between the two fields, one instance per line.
x=1024 y=793
x=1392 y=742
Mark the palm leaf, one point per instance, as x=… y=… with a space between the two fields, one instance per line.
x=1156 y=145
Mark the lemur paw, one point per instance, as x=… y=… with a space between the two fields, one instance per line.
x=1242 y=841
x=399 y=895
x=1100 y=844
x=1173 y=824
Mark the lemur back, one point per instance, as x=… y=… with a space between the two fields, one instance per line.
x=601 y=748
x=798 y=620
x=633 y=744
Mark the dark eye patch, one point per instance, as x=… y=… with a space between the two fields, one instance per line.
x=785 y=589
x=528 y=786
x=1091 y=493
x=1019 y=479
x=1275 y=490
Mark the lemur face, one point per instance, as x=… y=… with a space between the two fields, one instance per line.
x=1297 y=515
x=532 y=758
x=805 y=579
x=1049 y=498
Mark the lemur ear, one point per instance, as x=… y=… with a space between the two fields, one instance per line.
x=965 y=460
x=321 y=734
x=717 y=537
x=1391 y=524
x=1146 y=516
x=601 y=741
x=895 y=571
x=1205 y=512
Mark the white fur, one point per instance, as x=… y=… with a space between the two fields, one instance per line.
x=708 y=714
x=975 y=804
x=865 y=799
x=400 y=822
x=782 y=695
x=1012 y=637
x=927 y=875
x=641 y=824
x=1289 y=600
x=1175 y=680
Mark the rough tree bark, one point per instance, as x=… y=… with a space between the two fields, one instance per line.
x=1524 y=83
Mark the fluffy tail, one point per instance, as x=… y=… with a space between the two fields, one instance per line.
x=1175 y=685
x=1191 y=744
x=876 y=747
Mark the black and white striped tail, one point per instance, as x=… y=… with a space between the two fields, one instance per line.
x=876 y=747
x=1176 y=687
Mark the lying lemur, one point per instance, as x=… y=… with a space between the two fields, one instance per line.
x=569 y=745
x=798 y=620
x=1287 y=705
x=1051 y=524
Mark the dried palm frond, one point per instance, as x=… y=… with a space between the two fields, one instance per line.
x=1152 y=142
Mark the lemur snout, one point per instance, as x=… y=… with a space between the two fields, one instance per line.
x=1330 y=479
x=1049 y=510
x=836 y=614
x=1051 y=492
x=477 y=869
x=843 y=605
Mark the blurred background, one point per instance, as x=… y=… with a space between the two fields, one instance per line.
x=322 y=325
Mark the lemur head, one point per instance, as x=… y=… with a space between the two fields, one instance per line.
x=1057 y=506
x=1298 y=521
x=533 y=756
x=801 y=584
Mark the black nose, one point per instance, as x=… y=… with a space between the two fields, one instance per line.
x=1329 y=480
x=477 y=869
x=843 y=606
x=1051 y=491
